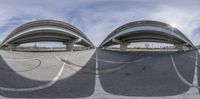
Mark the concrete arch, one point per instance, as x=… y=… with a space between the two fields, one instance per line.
x=46 y=30
x=146 y=31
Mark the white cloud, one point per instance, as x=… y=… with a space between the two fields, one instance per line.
x=186 y=20
x=98 y=18
x=101 y=21
x=182 y=19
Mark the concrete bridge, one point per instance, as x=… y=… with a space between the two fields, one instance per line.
x=147 y=31
x=46 y=30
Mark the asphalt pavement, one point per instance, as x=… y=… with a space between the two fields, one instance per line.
x=98 y=74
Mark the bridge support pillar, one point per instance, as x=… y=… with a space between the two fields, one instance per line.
x=105 y=47
x=123 y=45
x=12 y=47
x=179 y=47
x=70 y=44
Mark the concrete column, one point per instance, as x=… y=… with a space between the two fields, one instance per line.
x=123 y=45
x=12 y=47
x=179 y=47
x=105 y=47
x=88 y=48
x=70 y=44
x=191 y=48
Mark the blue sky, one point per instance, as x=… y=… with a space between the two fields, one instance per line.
x=97 y=18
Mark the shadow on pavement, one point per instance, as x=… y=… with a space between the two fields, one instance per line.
x=76 y=86
x=153 y=77
x=11 y=79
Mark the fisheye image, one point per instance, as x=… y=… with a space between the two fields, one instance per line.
x=99 y=49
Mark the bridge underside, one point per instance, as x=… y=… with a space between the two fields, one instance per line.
x=147 y=36
x=39 y=36
x=147 y=31
x=46 y=30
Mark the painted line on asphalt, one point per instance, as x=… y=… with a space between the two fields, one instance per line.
x=182 y=78
x=25 y=70
x=196 y=62
x=107 y=61
x=190 y=56
x=23 y=58
x=97 y=66
x=101 y=71
x=50 y=83
x=98 y=89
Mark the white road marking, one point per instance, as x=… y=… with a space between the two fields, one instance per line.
x=107 y=61
x=99 y=91
x=182 y=78
x=50 y=83
x=103 y=71
x=23 y=59
x=75 y=67
x=190 y=56
x=97 y=67
x=26 y=70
